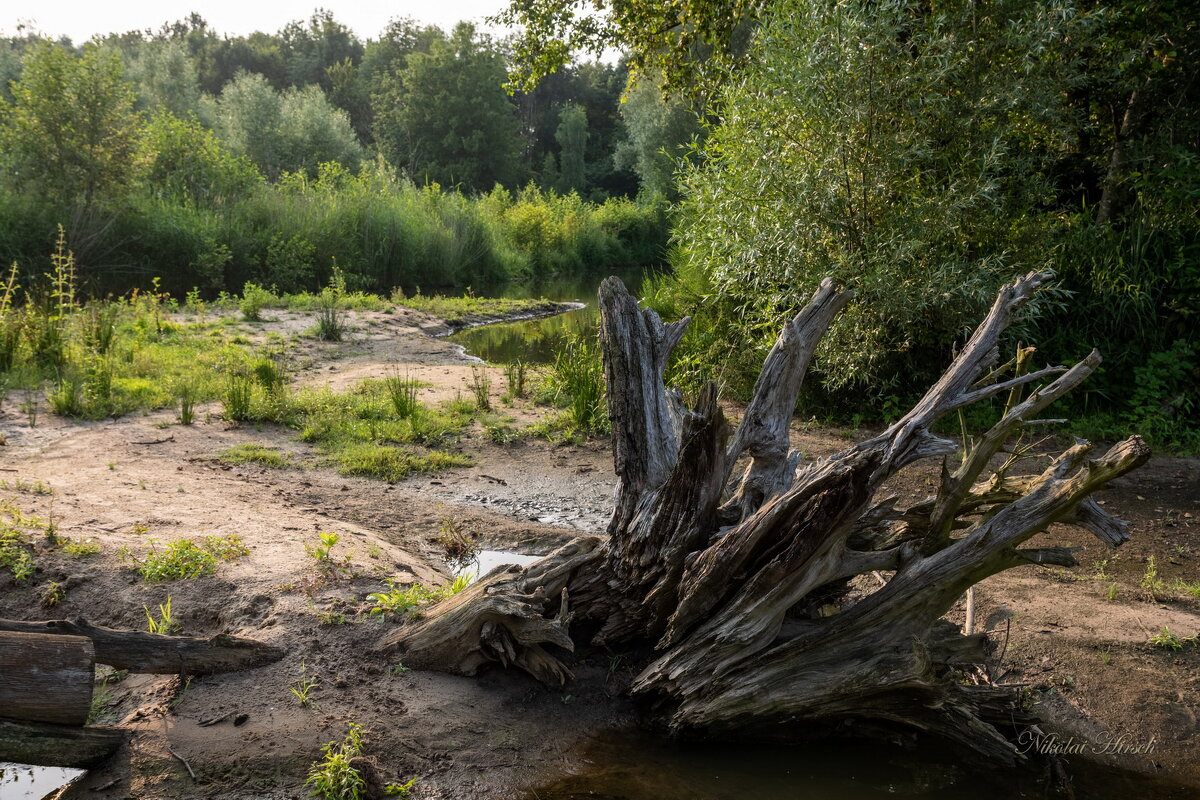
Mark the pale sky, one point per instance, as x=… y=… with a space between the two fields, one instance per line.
x=81 y=20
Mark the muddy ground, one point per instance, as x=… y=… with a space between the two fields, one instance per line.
x=1076 y=646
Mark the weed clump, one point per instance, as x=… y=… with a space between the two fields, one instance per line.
x=397 y=600
x=183 y=558
x=333 y=777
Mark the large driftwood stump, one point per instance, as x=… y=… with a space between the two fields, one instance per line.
x=744 y=586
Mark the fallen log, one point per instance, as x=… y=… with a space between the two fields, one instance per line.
x=749 y=588
x=46 y=678
x=155 y=653
x=57 y=745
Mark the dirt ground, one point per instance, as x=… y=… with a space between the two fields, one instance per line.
x=1077 y=646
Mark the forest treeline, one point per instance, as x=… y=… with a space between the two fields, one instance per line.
x=211 y=160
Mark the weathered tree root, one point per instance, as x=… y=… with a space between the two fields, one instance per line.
x=741 y=588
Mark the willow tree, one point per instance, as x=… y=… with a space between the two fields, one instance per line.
x=750 y=588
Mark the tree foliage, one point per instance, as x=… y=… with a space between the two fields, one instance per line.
x=70 y=130
x=891 y=148
x=445 y=117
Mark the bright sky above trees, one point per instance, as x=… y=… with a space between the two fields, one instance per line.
x=81 y=19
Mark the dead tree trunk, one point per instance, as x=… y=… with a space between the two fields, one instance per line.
x=155 y=653
x=742 y=587
x=46 y=678
x=57 y=745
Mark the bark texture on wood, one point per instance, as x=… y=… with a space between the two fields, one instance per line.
x=749 y=589
x=154 y=653
x=46 y=678
x=57 y=745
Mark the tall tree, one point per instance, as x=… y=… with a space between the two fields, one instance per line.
x=166 y=78
x=572 y=137
x=70 y=131
x=312 y=48
x=657 y=131
x=445 y=116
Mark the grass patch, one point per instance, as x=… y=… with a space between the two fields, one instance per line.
x=394 y=463
x=251 y=453
x=183 y=558
x=376 y=429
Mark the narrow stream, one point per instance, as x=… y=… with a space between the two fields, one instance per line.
x=536 y=341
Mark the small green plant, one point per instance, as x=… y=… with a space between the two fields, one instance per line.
x=1171 y=641
x=1111 y=594
x=402 y=392
x=481 y=387
x=458 y=545
x=499 y=433
x=332 y=777
x=185 y=393
x=399 y=789
x=254 y=300
x=303 y=686
x=165 y=623
x=53 y=594
x=322 y=552
x=329 y=617
x=1150 y=583
x=16 y=555
x=101 y=699
x=26 y=487
x=30 y=407
x=514 y=375
x=1105 y=657
x=398 y=669
x=331 y=322
x=239 y=395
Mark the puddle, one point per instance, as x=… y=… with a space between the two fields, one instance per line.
x=635 y=765
x=488 y=560
x=27 y=782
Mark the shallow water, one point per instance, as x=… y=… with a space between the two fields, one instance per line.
x=487 y=560
x=27 y=782
x=536 y=341
x=636 y=765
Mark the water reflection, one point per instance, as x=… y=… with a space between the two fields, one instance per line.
x=536 y=341
x=27 y=782
x=636 y=765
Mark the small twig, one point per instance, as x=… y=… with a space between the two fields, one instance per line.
x=106 y=786
x=170 y=438
x=183 y=761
